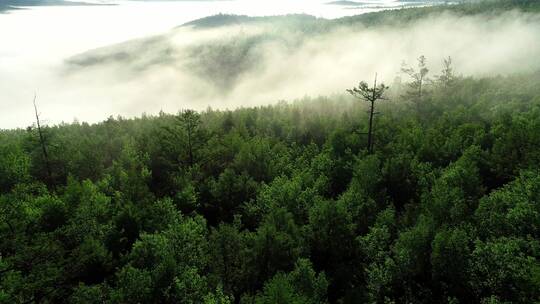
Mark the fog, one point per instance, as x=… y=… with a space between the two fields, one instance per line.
x=73 y=59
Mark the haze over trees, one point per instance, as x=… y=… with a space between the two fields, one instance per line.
x=435 y=200
x=282 y=204
x=228 y=61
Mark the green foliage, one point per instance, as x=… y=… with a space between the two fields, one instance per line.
x=300 y=286
x=15 y=164
x=276 y=244
x=507 y=268
x=218 y=297
x=229 y=253
x=450 y=260
x=512 y=210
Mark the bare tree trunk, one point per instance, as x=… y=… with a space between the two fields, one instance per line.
x=190 y=147
x=421 y=82
x=371 y=113
x=371 y=95
x=419 y=101
x=43 y=145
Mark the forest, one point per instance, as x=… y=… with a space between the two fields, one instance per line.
x=422 y=190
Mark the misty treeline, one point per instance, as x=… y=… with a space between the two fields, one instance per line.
x=399 y=17
x=284 y=203
x=229 y=61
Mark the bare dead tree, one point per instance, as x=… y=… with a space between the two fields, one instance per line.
x=190 y=121
x=447 y=77
x=419 y=79
x=371 y=95
x=43 y=144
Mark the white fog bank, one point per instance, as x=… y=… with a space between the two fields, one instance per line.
x=164 y=73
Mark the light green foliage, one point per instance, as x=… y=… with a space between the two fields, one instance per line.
x=453 y=196
x=300 y=286
x=169 y=264
x=134 y=286
x=513 y=210
x=380 y=266
x=276 y=244
x=506 y=269
x=217 y=297
x=14 y=164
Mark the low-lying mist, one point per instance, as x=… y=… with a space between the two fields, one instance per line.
x=257 y=63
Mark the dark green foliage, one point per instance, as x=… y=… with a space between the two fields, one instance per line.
x=300 y=286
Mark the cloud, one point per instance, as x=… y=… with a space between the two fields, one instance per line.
x=258 y=63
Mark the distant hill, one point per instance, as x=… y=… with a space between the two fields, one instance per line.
x=223 y=61
x=463 y=8
x=6 y=5
x=387 y=17
x=226 y=20
x=376 y=3
x=346 y=3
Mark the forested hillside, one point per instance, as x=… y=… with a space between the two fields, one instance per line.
x=388 y=17
x=464 y=8
x=283 y=204
x=6 y=5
